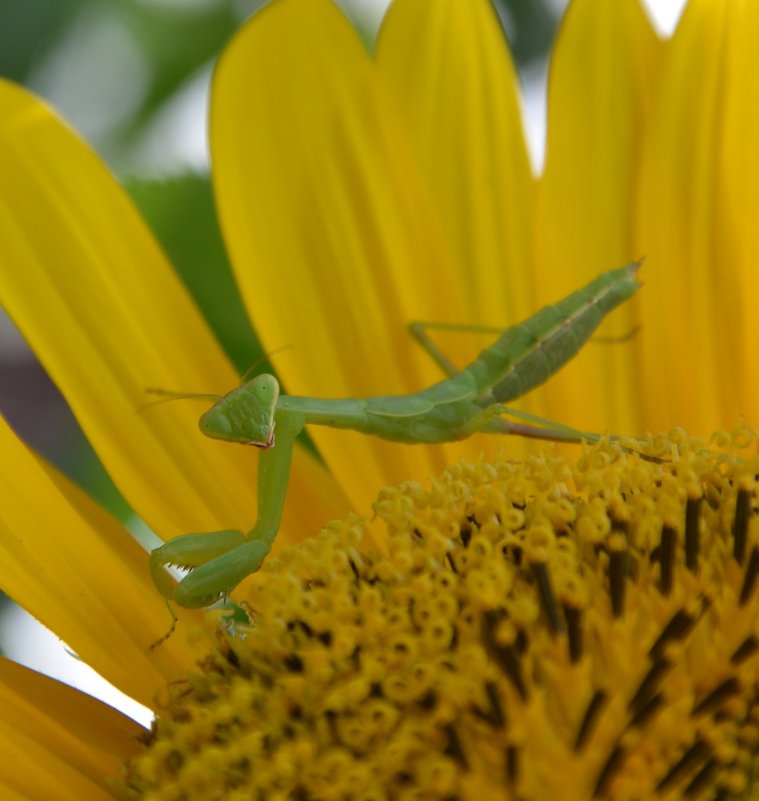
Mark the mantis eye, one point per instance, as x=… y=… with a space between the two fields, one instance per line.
x=215 y=423
x=266 y=389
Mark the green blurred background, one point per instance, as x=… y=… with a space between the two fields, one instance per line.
x=131 y=76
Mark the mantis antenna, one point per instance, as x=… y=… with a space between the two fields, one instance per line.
x=170 y=396
x=260 y=360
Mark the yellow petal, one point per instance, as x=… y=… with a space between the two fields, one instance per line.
x=57 y=742
x=736 y=233
x=93 y=294
x=326 y=217
x=601 y=81
x=452 y=76
x=81 y=574
x=313 y=498
x=698 y=205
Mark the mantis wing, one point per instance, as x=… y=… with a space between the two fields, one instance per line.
x=398 y=405
x=459 y=388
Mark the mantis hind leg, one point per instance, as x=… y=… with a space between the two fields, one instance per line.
x=419 y=331
x=490 y=421
x=537 y=428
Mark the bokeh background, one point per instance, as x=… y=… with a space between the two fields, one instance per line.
x=132 y=77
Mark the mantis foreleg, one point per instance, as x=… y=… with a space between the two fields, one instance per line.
x=219 y=560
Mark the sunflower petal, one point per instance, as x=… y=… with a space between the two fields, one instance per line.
x=95 y=298
x=326 y=217
x=458 y=94
x=83 y=576
x=698 y=205
x=600 y=90
x=56 y=741
x=93 y=294
x=453 y=79
x=314 y=498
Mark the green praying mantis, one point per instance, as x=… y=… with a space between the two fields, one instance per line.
x=467 y=402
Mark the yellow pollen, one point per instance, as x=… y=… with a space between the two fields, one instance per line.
x=543 y=630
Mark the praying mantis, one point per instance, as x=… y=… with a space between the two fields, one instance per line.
x=467 y=402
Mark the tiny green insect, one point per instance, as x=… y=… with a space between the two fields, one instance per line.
x=469 y=401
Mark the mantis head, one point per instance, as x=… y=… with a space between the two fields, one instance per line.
x=246 y=414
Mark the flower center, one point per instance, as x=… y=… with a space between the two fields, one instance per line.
x=529 y=631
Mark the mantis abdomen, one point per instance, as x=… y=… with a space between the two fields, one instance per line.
x=529 y=353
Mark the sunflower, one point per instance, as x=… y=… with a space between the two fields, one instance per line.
x=358 y=192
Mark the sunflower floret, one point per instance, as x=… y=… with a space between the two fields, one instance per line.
x=528 y=630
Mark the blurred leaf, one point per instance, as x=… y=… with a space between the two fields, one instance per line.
x=28 y=28
x=531 y=26
x=177 y=41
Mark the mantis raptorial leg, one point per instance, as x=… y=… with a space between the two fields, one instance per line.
x=469 y=401
x=221 y=559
